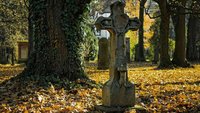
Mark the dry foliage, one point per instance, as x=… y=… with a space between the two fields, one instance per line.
x=175 y=90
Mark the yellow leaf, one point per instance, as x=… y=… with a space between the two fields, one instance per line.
x=47 y=109
x=56 y=106
x=26 y=111
x=68 y=108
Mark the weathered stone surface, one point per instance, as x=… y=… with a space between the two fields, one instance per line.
x=134 y=109
x=103 y=55
x=22 y=51
x=115 y=94
x=118 y=91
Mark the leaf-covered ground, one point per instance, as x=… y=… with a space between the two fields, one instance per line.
x=174 y=90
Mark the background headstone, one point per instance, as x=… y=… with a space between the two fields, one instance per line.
x=3 y=55
x=103 y=54
x=136 y=52
x=6 y=55
x=22 y=51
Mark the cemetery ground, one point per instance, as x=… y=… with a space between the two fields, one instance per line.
x=171 y=90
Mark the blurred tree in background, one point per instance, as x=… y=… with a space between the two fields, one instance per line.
x=13 y=21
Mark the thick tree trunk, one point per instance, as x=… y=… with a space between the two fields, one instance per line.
x=57 y=39
x=192 y=38
x=140 y=51
x=179 y=58
x=164 y=35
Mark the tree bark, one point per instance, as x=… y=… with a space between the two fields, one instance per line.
x=140 y=51
x=192 y=38
x=179 y=58
x=156 y=48
x=164 y=35
x=30 y=29
x=57 y=39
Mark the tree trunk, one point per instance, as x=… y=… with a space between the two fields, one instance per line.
x=140 y=50
x=30 y=29
x=156 y=48
x=156 y=55
x=57 y=39
x=179 y=58
x=30 y=37
x=164 y=35
x=192 y=38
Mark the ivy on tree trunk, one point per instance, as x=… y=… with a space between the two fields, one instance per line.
x=57 y=39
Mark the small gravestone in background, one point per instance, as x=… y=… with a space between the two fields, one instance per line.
x=118 y=91
x=3 y=55
x=7 y=55
x=22 y=51
x=103 y=54
x=136 y=52
x=128 y=50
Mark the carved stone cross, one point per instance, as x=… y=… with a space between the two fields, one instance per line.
x=118 y=91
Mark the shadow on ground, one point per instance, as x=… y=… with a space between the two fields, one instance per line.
x=21 y=94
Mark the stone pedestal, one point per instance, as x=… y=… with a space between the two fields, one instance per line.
x=116 y=95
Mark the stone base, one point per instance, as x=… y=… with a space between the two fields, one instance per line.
x=115 y=94
x=136 y=108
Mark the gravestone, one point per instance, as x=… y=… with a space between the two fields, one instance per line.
x=22 y=51
x=136 y=52
x=6 y=55
x=128 y=54
x=103 y=54
x=118 y=91
x=3 y=55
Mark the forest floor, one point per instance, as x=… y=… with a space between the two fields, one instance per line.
x=174 y=90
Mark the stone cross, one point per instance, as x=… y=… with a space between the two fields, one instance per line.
x=118 y=91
